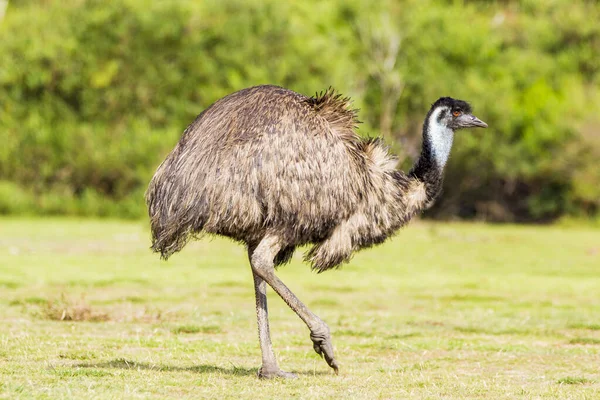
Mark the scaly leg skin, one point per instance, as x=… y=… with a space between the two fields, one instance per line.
x=261 y=260
x=269 y=368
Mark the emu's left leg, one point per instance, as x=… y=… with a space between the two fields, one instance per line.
x=269 y=368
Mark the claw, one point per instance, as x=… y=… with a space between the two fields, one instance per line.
x=318 y=349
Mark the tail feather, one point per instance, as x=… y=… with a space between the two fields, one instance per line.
x=172 y=224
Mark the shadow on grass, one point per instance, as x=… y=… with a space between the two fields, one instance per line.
x=122 y=363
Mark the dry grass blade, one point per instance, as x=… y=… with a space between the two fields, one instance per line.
x=68 y=309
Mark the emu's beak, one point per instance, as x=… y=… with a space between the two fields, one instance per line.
x=472 y=121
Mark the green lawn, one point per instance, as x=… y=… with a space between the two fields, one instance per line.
x=450 y=311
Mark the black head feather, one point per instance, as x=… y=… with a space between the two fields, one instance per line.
x=453 y=105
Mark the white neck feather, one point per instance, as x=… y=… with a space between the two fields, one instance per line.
x=440 y=139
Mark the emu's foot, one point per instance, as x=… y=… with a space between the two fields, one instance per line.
x=322 y=345
x=267 y=372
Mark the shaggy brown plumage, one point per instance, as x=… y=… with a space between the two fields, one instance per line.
x=268 y=160
x=275 y=169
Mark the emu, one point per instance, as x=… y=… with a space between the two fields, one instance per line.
x=274 y=170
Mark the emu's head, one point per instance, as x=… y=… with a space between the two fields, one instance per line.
x=446 y=116
x=454 y=114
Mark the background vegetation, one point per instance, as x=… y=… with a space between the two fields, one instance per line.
x=93 y=94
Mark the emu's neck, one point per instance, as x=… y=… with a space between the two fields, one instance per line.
x=437 y=143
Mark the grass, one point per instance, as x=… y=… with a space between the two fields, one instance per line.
x=453 y=311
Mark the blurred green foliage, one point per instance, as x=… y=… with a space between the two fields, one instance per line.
x=93 y=94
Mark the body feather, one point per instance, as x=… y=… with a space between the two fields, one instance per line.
x=269 y=161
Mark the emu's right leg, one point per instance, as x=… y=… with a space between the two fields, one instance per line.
x=261 y=260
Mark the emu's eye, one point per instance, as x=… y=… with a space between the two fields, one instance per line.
x=456 y=113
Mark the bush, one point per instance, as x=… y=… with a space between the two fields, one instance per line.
x=14 y=200
x=91 y=105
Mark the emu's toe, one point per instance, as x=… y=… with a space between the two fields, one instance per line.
x=324 y=348
x=274 y=372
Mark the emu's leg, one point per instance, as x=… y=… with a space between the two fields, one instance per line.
x=269 y=368
x=261 y=260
